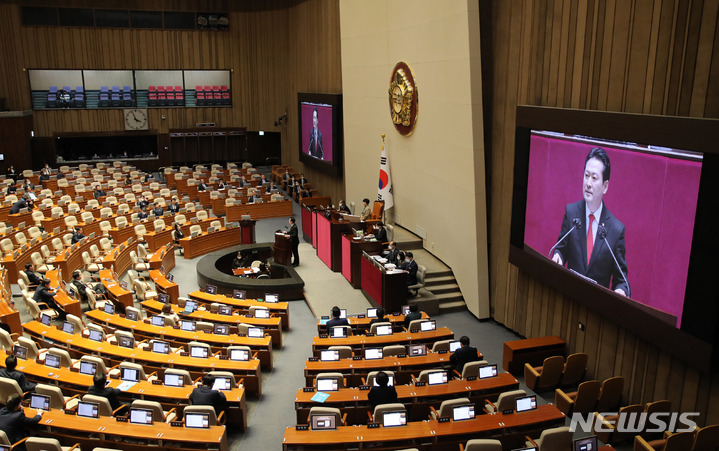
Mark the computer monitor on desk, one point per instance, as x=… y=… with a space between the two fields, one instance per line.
x=88 y=409
x=140 y=416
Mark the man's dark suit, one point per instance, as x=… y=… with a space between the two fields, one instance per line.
x=16 y=375
x=392 y=255
x=315 y=148
x=295 y=238
x=33 y=278
x=337 y=322
x=107 y=392
x=206 y=396
x=14 y=423
x=463 y=355
x=573 y=249
x=382 y=395
x=381 y=235
x=412 y=272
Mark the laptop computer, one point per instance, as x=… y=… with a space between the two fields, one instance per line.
x=526 y=403
x=338 y=332
x=188 y=326
x=199 y=352
x=272 y=298
x=373 y=353
x=392 y=419
x=256 y=332
x=161 y=347
x=190 y=306
x=224 y=310
x=210 y=289
x=327 y=385
x=385 y=329
x=586 y=444
x=39 y=401
x=239 y=294
x=222 y=383
x=52 y=360
x=262 y=313
x=130 y=374
x=174 y=380
x=426 y=326
x=125 y=342
x=88 y=409
x=197 y=420
x=417 y=350
x=239 y=355
x=20 y=351
x=488 y=371
x=45 y=319
x=95 y=335
x=323 y=422
x=463 y=412
x=89 y=368
x=437 y=377
x=221 y=329
x=328 y=356
x=140 y=416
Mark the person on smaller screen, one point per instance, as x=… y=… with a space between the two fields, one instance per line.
x=366 y=210
x=336 y=320
x=585 y=249
x=383 y=393
x=343 y=208
x=315 y=148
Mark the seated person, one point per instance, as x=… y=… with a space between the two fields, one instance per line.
x=128 y=180
x=29 y=194
x=343 y=208
x=174 y=207
x=45 y=294
x=204 y=395
x=157 y=211
x=263 y=179
x=336 y=320
x=77 y=235
x=202 y=186
x=401 y=261
x=381 y=234
x=79 y=286
x=238 y=260
x=11 y=373
x=178 y=233
x=17 y=206
x=149 y=177
x=269 y=188
x=13 y=421
x=142 y=202
x=44 y=175
x=98 y=193
x=255 y=197
x=383 y=393
x=392 y=252
x=99 y=388
x=464 y=354
x=142 y=214
x=380 y=317
x=413 y=314
x=168 y=313
x=243 y=182
x=264 y=272
x=31 y=276
x=221 y=184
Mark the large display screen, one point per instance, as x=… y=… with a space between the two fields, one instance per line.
x=320 y=131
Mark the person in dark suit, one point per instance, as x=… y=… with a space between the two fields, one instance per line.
x=411 y=268
x=383 y=393
x=77 y=235
x=202 y=186
x=392 y=252
x=31 y=276
x=295 y=238
x=204 y=395
x=413 y=314
x=99 y=192
x=142 y=214
x=79 y=286
x=174 y=207
x=11 y=189
x=11 y=174
x=381 y=234
x=11 y=373
x=45 y=294
x=221 y=184
x=142 y=202
x=269 y=187
x=243 y=182
x=343 y=208
x=315 y=148
x=336 y=320
x=13 y=421
x=99 y=388
x=255 y=197
x=17 y=206
x=157 y=211
x=585 y=250
x=380 y=317
x=464 y=354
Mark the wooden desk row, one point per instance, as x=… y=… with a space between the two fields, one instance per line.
x=359 y=343
x=78 y=346
x=8 y=313
x=354 y=370
x=74 y=383
x=417 y=400
x=361 y=325
x=272 y=325
x=280 y=309
x=259 y=211
x=509 y=429
x=178 y=337
x=210 y=242
x=163 y=258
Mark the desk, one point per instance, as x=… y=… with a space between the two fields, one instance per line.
x=329 y=240
x=382 y=289
x=119 y=257
x=68 y=304
x=360 y=342
x=281 y=309
x=532 y=350
x=178 y=337
x=354 y=403
x=165 y=286
x=8 y=313
x=78 y=346
x=165 y=257
x=273 y=326
x=352 y=249
x=70 y=261
x=307 y=224
x=106 y=432
x=355 y=370
x=74 y=383
x=209 y=242
x=510 y=429
x=259 y=211
x=360 y=325
x=117 y=294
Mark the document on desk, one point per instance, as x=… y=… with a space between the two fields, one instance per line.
x=395 y=271
x=125 y=385
x=320 y=396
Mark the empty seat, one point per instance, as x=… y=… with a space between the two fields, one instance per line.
x=544 y=377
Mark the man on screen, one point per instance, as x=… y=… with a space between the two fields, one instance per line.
x=585 y=250
x=315 y=147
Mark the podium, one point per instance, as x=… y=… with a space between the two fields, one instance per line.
x=283 y=249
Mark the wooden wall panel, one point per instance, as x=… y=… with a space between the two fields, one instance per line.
x=274 y=48
x=640 y=56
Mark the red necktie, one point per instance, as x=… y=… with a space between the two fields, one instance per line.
x=590 y=240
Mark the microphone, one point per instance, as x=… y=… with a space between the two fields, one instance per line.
x=602 y=235
x=575 y=224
